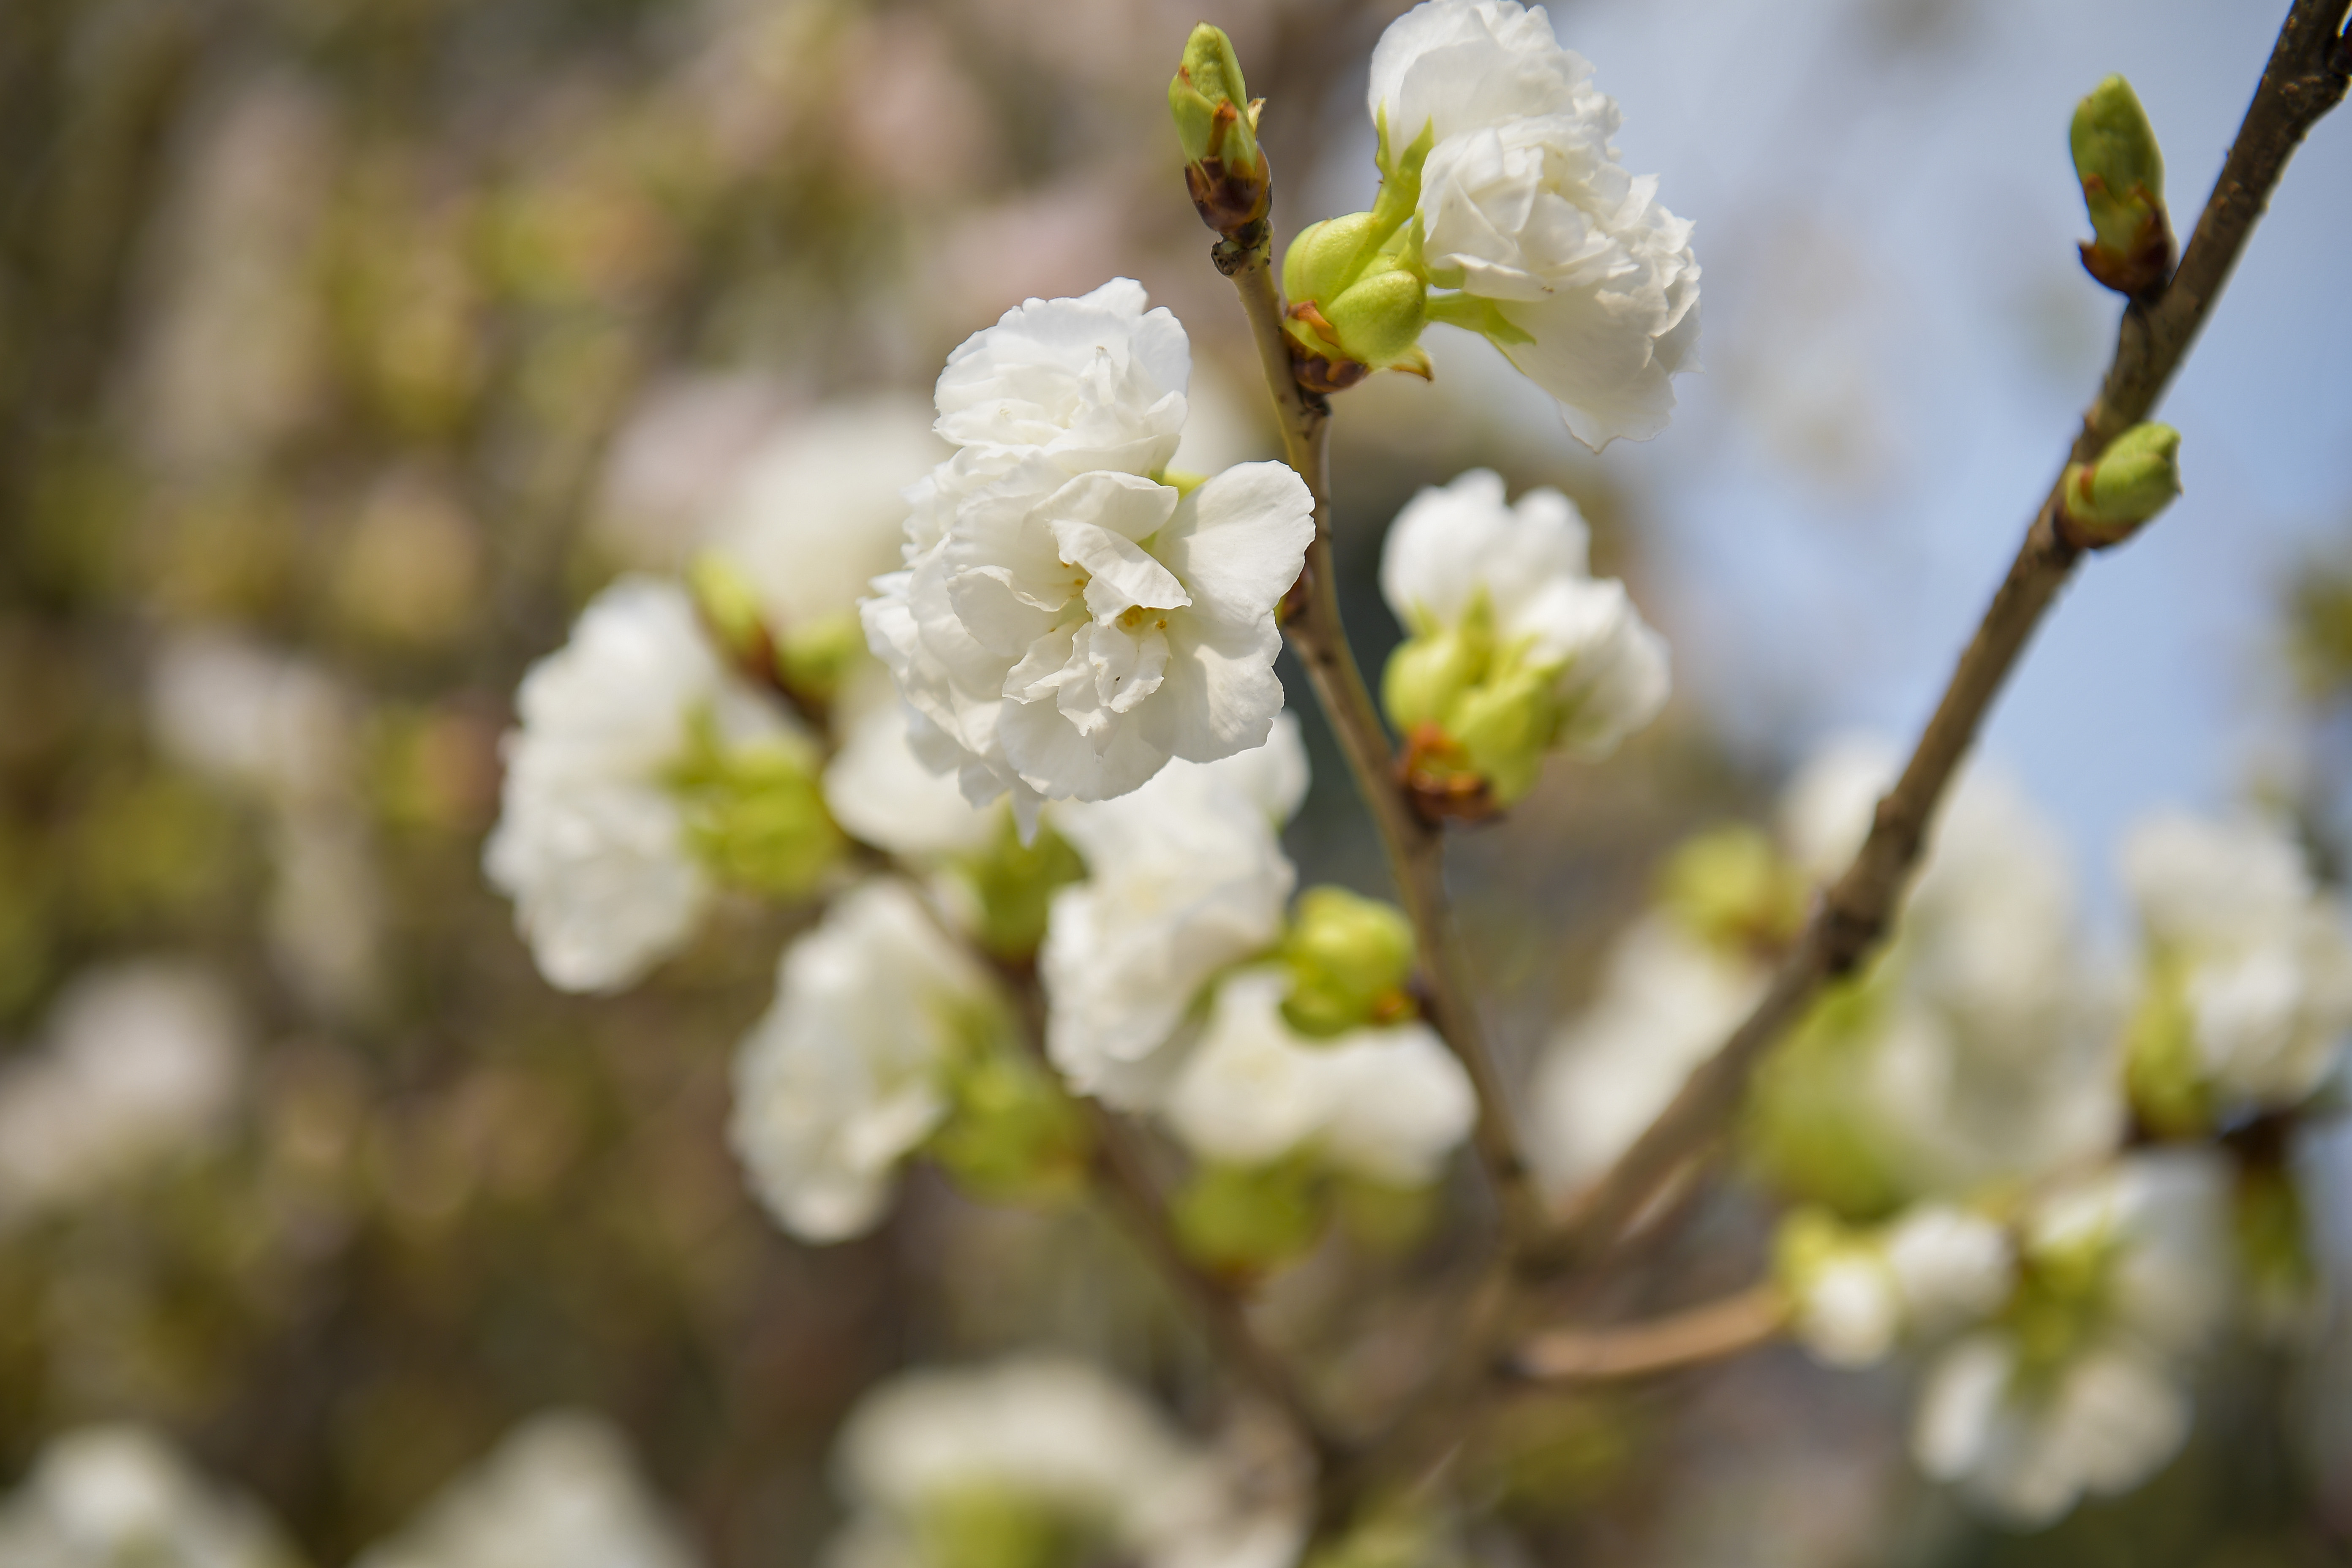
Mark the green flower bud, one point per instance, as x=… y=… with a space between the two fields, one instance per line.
x=730 y=608
x=2122 y=172
x=814 y=660
x=1506 y=725
x=1730 y=886
x=1011 y=1136
x=1012 y=886
x=1428 y=674
x=2135 y=477
x=1350 y=958
x=1225 y=169
x=1359 y=296
x=982 y=1526
x=753 y=814
x=1240 y=1222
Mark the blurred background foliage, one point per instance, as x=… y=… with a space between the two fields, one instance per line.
x=345 y=347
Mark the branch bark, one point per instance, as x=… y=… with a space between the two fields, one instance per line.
x=2305 y=79
x=1416 y=849
x=1754 y=1317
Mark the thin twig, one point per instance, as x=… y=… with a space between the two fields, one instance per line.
x=1125 y=1182
x=2305 y=79
x=1735 y=1324
x=1415 y=850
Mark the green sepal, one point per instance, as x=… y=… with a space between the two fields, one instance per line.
x=1484 y=317
x=1350 y=959
x=753 y=813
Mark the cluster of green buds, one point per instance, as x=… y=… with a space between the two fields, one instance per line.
x=1477 y=714
x=1358 y=288
x=1732 y=889
x=1011 y=1136
x=1350 y=960
x=753 y=812
x=1216 y=120
x=806 y=664
x=2105 y=500
x=2122 y=172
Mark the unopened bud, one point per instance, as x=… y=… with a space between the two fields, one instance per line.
x=813 y=659
x=1011 y=1136
x=2138 y=476
x=1239 y=1221
x=2122 y=172
x=1225 y=169
x=1506 y=726
x=1428 y=674
x=730 y=608
x=1350 y=958
x=1359 y=300
x=1731 y=886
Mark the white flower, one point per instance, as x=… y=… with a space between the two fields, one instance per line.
x=142 y=1061
x=1525 y=207
x=820 y=511
x=591 y=842
x=2127 y=1267
x=103 y=1497
x=1667 y=1003
x=1186 y=877
x=840 y=1080
x=1934 y=1270
x=559 y=1492
x=1094 y=383
x=265 y=720
x=1067 y=621
x=880 y=787
x=1385 y=1104
x=1950 y=1266
x=2265 y=959
x=1849 y=1313
x=1042 y=1441
x=1451 y=545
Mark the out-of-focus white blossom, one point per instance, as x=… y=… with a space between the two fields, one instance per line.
x=1385 y=1104
x=1566 y=261
x=841 y=1079
x=1667 y=1002
x=1934 y=1270
x=141 y=1061
x=880 y=788
x=2082 y=1387
x=265 y=721
x=1185 y=876
x=1069 y=622
x=559 y=1492
x=1459 y=552
x=119 y=1497
x=2256 y=959
x=591 y=841
x=819 y=509
x=1038 y=1459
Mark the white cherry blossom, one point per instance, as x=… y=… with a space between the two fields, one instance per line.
x=2141 y=1251
x=1052 y=1442
x=561 y=1492
x=880 y=786
x=1454 y=544
x=2263 y=958
x=819 y=509
x=1185 y=876
x=1069 y=622
x=1387 y=1104
x=841 y=1079
x=103 y=1497
x=1526 y=208
x=590 y=842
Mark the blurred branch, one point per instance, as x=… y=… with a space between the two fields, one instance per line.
x=1416 y=849
x=2306 y=77
x=1124 y=1182
x=1726 y=1328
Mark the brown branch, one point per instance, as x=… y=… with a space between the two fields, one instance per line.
x=1735 y=1324
x=2305 y=79
x=1416 y=849
x=1125 y=1182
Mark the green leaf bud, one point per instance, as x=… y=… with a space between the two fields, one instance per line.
x=1225 y=169
x=1011 y=1136
x=814 y=660
x=1240 y=1222
x=1731 y=886
x=2138 y=476
x=753 y=814
x=730 y=608
x=1350 y=959
x=1358 y=297
x=2122 y=172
